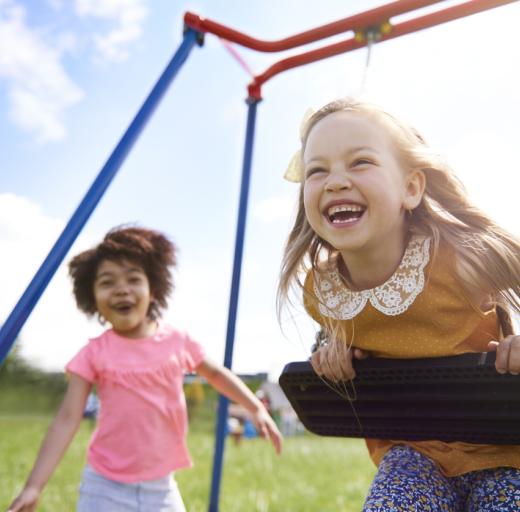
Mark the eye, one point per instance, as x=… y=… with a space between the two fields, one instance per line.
x=358 y=162
x=314 y=170
x=135 y=280
x=104 y=283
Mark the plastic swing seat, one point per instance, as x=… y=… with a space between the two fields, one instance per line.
x=459 y=398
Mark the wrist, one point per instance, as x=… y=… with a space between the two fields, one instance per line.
x=258 y=408
x=34 y=486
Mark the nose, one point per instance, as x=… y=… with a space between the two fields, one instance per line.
x=338 y=180
x=121 y=288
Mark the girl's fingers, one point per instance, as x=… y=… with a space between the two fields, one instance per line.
x=323 y=363
x=508 y=354
x=334 y=361
x=502 y=358
x=333 y=370
x=492 y=346
x=276 y=439
x=315 y=362
x=15 y=506
x=347 y=370
x=320 y=362
x=267 y=429
x=361 y=354
x=21 y=507
x=514 y=355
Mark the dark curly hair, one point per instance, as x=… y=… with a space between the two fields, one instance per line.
x=149 y=249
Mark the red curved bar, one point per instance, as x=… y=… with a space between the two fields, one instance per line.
x=406 y=27
x=360 y=21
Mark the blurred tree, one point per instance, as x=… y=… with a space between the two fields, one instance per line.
x=26 y=388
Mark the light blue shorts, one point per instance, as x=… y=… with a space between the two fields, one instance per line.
x=99 y=494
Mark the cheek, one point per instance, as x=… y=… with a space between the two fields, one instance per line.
x=310 y=212
x=98 y=296
x=387 y=190
x=310 y=198
x=313 y=216
x=145 y=293
x=99 y=303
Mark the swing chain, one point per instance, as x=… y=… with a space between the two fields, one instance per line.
x=371 y=35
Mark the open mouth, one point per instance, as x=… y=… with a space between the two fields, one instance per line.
x=345 y=213
x=123 y=307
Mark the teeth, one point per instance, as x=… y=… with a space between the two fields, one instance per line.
x=338 y=221
x=344 y=208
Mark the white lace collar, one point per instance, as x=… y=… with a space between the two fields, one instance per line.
x=391 y=298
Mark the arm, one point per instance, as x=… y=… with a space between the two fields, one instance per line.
x=228 y=384
x=55 y=444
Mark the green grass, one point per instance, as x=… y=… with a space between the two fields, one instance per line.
x=313 y=473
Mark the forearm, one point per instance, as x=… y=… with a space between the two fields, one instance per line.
x=60 y=432
x=56 y=441
x=55 y=444
x=229 y=385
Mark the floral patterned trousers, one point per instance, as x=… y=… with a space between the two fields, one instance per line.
x=409 y=481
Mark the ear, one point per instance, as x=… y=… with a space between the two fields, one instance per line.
x=414 y=189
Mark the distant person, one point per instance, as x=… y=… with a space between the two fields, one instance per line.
x=264 y=398
x=91 y=410
x=394 y=261
x=235 y=427
x=138 y=367
x=92 y=406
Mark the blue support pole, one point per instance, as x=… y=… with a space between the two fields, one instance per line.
x=30 y=297
x=233 y=302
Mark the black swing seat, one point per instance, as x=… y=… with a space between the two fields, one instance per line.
x=459 y=398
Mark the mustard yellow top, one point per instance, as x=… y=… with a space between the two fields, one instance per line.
x=421 y=311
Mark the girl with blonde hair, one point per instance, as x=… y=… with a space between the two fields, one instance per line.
x=394 y=261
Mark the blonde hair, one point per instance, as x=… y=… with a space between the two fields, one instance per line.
x=487 y=256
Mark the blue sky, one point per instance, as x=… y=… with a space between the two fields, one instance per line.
x=74 y=73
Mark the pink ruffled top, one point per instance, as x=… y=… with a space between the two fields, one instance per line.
x=142 y=424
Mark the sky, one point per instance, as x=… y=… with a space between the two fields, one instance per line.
x=73 y=73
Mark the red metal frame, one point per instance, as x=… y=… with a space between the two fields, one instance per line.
x=356 y=22
x=371 y=19
x=400 y=29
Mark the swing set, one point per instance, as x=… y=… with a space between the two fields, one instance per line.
x=304 y=389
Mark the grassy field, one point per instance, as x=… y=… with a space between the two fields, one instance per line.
x=314 y=473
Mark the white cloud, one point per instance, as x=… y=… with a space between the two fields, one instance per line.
x=55 y=330
x=38 y=86
x=129 y=16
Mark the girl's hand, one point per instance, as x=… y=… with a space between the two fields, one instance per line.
x=508 y=354
x=26 y=501
x=334 y=361
x=267 y=428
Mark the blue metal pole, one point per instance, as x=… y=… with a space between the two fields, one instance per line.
x=233 y=302
x=30 y=297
